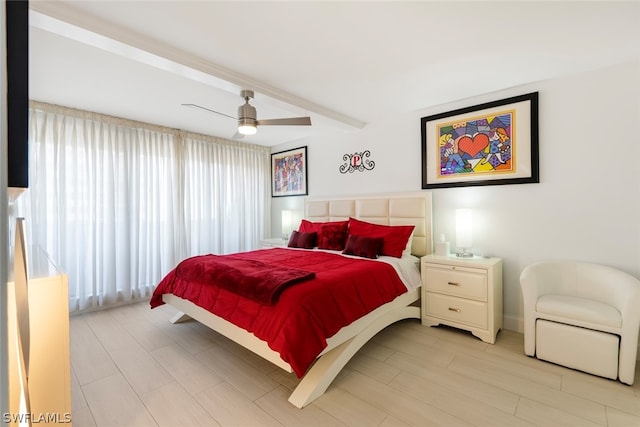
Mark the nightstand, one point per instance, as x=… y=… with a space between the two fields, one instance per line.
x=465 y=293
x=276 y=242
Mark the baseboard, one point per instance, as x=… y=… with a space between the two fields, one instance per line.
x=513 y=323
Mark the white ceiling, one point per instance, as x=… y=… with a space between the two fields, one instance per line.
x=345 y=64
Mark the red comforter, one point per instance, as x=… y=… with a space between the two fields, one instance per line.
x=253 y=279
x=307 y=313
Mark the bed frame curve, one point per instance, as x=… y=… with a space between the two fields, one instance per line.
x=389 y=209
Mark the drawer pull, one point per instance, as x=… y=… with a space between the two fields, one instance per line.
x=453 y=284
x=457 y=310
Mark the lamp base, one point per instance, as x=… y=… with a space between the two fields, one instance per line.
x=464 y=254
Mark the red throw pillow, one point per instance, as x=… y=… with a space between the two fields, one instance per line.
x=367 y=247
x=308 y=226
x=394 y=237
x=303 y=240
x=333 y=236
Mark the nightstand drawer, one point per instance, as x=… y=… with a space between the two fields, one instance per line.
x=468 y=312
x=457 y=281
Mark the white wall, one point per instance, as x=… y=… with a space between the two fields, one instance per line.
x=586 y=206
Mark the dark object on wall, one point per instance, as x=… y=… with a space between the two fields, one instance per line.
x=487 y=144
x=357 y=162
x=17 y=26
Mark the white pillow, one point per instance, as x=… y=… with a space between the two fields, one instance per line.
x=407 y=249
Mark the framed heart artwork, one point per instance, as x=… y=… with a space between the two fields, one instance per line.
x=488 y=144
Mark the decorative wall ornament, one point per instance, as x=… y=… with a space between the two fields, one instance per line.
x=357 y=162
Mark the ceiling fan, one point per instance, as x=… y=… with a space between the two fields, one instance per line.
x=247 y=119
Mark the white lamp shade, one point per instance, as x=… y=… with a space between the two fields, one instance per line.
x=464 y=228
x=287 y=222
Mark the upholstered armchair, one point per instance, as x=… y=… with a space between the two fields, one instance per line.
x=582 y=315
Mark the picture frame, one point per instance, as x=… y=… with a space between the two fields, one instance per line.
x=494 y=143
x=289 y=173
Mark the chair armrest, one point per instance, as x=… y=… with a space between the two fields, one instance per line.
x=530 y=293
x=627 y=294
x=630 y=328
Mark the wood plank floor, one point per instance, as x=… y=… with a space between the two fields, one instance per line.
x=131 y=367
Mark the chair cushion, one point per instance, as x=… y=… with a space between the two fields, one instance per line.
x=580 y=309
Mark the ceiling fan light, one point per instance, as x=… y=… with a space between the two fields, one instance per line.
x=247 y=120
x=247 y=129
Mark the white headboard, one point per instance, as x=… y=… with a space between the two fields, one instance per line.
x=387 y=209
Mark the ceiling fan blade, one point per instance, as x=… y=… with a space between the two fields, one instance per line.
x=209 y=110
x=291 y=121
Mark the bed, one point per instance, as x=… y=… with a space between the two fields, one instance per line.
x=340 y=343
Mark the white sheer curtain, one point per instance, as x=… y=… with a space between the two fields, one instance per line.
x=235 y=181
x=117 y=203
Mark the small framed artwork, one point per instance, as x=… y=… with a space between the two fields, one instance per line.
x=487 y=144
x=289 y=173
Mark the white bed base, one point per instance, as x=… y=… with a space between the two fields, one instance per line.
x=341 y=347
x=394 y=209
